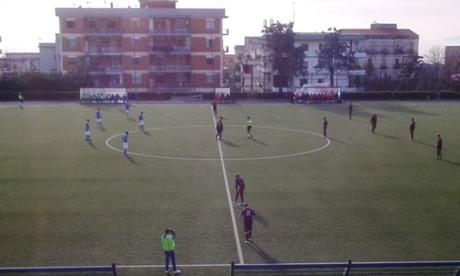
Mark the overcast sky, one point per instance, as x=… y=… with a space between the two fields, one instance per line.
x=24 y=23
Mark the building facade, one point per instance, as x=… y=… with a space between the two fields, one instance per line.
x=383 y=47
x=48 y=58
x=16 y=63
x=154 y=48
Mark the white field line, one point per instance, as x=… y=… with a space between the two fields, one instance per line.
x=229 y=198
x=328 y=143
x=179 y=265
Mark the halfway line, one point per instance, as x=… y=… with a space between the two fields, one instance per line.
x=230 y=205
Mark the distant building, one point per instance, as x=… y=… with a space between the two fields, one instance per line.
x=452 y=64
x=14 y=63
x=154 y=48
x=48 y=57
x=384 y=47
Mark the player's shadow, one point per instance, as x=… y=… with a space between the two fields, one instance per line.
x=130 y=159
x=337 y=140
x=387 y=136
x=102 y=128
x=424 y=144
x=260 y=219
x=92 y=145
x=228 y=143
x=146 y=133
x=264 y=255
x=260 y=142
x=452 y=162
x=131 y=119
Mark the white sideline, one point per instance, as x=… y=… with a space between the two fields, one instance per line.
x=230 y=205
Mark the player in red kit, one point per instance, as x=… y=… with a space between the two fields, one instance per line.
x=374 y=122
x=325 y=124
x=219 y=129
x=239 y=187
x=247 y=214
x=412 y=129
x=439 y=148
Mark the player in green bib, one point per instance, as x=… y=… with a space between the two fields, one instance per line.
x=168 y=244
x=249 y=127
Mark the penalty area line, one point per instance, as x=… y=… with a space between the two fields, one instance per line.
x=229 y=198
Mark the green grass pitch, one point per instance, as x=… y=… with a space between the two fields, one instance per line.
x=364 y=197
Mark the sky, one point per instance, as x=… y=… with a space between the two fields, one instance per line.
x=25 y=23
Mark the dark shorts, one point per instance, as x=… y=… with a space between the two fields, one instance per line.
x=247 y=226
x=249 y=128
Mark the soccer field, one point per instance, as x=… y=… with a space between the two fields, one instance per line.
x=353 y=196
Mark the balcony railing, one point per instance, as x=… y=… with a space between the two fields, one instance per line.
x=172 y=31
x=171 y=68
x=106 y=70
x=176 y=87
x=170 y=49
x=103 y=31
x=104 y=50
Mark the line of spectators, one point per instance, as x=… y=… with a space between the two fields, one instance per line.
x=102 y=98
x=308 y=98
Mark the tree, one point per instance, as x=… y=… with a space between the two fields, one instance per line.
x=411 y=67
x=335 y=54
x=436 y=57
x=286 y=60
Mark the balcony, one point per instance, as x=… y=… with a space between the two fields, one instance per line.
x=170 y=32
x=173 y=87
x=105 y=70
x=104 y=51
x=170 y=49
x=103 y=31
x=171 y=68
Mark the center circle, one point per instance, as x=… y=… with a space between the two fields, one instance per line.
x=225 y=142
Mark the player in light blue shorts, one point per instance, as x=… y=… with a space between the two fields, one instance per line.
x=99 y=118
x=124 y=139
x=141 y=121
x=87 y=132
x=127 y=108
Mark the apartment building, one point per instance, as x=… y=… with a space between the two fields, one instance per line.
x=15 y=63
x=155 y=48
x=384 y=47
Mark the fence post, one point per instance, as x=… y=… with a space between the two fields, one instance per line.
x=232 y=264
x=114 y=269
x=348 y=269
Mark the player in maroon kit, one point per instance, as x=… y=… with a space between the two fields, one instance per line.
x=239 y=187
x=374 y=122
x=325 y=124
x=439 y=148
x=247 y=214
x=412 y=129
x=219 y=129
x=350 y=110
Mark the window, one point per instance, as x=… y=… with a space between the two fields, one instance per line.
x=210 y=23
x=209 y=43
x=135 y=42
x=320 y=46
x=72 y=43
x=70 y=23
x=72 y=60
x=137 y=78
x=209 y=78
x=320 y=80
x=136 y=60
x=209 y=60
x=135 y=23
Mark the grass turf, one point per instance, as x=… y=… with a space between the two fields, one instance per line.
x=365 y=197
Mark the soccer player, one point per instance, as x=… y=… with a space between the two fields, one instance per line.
x=412 y=129
x=325 y=124
x=168 y=243
x=439 y=148
x=219 y=129
x=249 y=127
x=124 y=139
x=20 y=99
x=239 y=187
x=127 y=108
x=141 y=121
x=98 y=117
x=350 y=110
x=247 y=214
x=374 y=122
x=214 y=106
x=87 y=132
